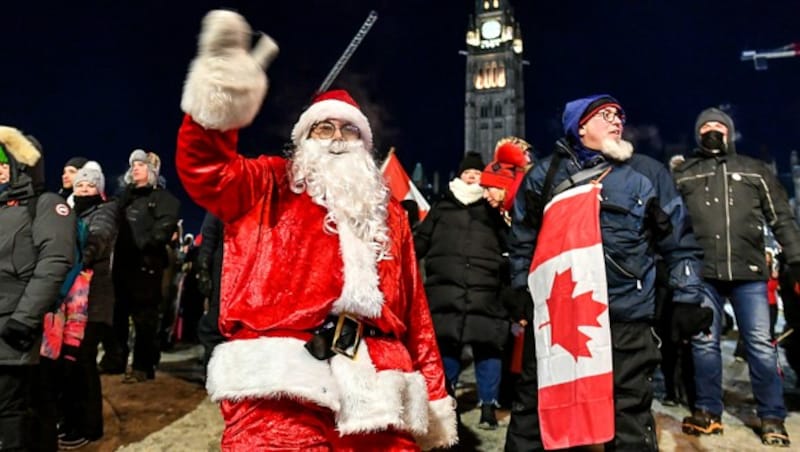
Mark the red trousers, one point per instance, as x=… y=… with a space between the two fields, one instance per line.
x=289 y=425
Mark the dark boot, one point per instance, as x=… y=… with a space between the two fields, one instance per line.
x=773 y=433
x=702 y=423
x=488 y=418
x=136 y=376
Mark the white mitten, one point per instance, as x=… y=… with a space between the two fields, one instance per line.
x=227 y=82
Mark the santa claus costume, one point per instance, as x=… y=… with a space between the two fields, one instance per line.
x=299 y=254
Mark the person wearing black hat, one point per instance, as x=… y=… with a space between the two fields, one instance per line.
x=641 y=215
x=731 y=199
x=68 y=176
x=462 y=240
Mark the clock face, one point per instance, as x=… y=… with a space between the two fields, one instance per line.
x=490 y=29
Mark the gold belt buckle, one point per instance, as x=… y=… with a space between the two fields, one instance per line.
x=343 y=318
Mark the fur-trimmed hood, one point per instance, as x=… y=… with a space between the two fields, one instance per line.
x=25 y=162
x=19 y=147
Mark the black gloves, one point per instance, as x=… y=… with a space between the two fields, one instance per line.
x=203 y=276
x=690 y=319
x=18 y=335
x=515 y=300
x=69 y=352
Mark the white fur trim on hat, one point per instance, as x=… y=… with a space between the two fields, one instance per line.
x=332 y=109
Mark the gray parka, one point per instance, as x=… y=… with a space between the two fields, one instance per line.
x=35 y=254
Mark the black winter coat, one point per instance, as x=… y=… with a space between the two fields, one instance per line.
x=101 y=220
x=731 y=198
x=463 y=248
x=148 y=218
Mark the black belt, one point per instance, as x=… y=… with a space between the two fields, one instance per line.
x=338 y=334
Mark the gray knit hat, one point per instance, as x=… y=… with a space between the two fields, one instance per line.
x=715 y=114
x=91 y=172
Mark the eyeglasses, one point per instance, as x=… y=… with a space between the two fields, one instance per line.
x=327 y=129
x=609 y=116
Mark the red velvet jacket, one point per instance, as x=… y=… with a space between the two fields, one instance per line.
x=282 y=272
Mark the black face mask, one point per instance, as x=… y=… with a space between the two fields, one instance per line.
x=82 y=203
x=713 y=142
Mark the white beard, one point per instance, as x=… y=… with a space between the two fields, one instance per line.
x=343 y=177
x=617 y=150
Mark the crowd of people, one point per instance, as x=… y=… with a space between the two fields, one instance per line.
x=343 y=322
x=82 y=268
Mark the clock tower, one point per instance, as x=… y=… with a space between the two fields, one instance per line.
x=495 y=103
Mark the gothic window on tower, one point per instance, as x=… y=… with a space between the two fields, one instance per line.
x=501 y=76
x=491 y=72
x=498 y=109
x=485 y=4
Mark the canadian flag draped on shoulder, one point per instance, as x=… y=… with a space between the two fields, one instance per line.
x=401 y=186
x=573 y=339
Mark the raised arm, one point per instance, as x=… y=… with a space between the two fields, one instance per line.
x=223 y=92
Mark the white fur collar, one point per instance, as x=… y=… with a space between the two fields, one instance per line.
x=466 y=193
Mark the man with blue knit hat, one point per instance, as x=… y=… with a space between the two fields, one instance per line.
x=731 y=199
x=641 y=215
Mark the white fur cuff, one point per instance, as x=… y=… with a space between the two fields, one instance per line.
x=442 y=425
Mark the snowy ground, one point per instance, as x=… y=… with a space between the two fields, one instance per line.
x=200 y=430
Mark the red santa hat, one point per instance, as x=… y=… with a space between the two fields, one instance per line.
x=334 y=104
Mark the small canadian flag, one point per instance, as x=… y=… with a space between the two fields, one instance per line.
x=573 y=339
x=400 y=184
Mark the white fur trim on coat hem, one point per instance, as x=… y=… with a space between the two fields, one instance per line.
x=269 y=367
x=362 y=398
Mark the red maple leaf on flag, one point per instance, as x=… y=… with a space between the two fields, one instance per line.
x=567 y=313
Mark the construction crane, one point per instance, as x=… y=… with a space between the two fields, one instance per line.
x=760 y=57
x=348 y=52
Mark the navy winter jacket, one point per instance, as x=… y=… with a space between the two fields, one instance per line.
x=642 y=214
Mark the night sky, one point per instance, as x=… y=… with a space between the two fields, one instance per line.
x=100 y=79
